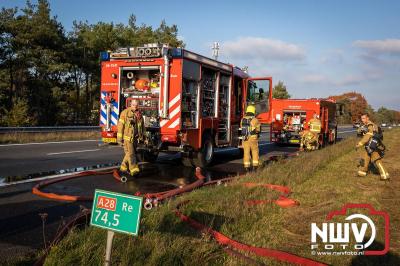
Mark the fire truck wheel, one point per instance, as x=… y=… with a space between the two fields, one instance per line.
x=205 y=155
x=241 y=152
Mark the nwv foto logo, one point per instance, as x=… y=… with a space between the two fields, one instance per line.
x=339 y=235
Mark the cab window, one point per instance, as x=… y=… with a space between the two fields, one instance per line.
x=258 y=94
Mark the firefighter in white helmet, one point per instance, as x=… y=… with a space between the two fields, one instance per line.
x=131 y=131
x=250 y=130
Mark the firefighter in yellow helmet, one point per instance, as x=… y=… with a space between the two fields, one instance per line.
x=131 y=131
x=310 y=137
x=373 y=150
x=250 y=130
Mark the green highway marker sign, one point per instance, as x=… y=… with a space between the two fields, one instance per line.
x=117 y=212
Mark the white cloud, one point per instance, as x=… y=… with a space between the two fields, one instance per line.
x=387 y=46
x=314 y=79
x=340 y=81
x=350 y=80
x=261 y=49
x=333 y=56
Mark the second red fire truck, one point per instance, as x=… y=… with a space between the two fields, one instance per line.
x=191 y=104
x=291 y=116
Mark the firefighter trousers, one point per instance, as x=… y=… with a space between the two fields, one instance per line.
x=250 y=152
x=129 y=160
x=374 y=158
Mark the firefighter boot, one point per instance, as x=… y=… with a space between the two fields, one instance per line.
x=123 y=168
x=361 y=173
x=135 y=170
x=382 y=171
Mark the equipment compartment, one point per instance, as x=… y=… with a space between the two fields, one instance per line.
x=189 y=103
x=208 y=82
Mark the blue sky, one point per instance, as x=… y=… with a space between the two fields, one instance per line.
x=318 y=48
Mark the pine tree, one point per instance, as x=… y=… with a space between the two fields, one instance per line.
x=280 y=91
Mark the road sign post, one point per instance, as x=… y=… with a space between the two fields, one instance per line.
x=115 y=212
x=110 y=237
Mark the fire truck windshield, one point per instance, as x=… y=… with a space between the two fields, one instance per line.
x=258 y=94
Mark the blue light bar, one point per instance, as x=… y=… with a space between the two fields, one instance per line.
x=104 y=56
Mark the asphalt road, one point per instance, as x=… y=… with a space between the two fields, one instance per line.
x=25 y=159
x=21 y=228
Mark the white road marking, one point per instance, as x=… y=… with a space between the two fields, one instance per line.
x=341 y=132
x=264 y=144
x=51 y=142
x=66 y=152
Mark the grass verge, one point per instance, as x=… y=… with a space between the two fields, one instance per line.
x=322 y=181
x=27 y=137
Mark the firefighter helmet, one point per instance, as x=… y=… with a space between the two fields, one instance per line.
x=251 y=109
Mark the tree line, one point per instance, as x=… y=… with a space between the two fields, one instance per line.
x=354 y=104
x=50 y=76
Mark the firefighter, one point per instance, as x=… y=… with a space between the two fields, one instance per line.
x=310 y=137
x=315 y=124
x=373 y=148
x=131 y=131
x=250 y=132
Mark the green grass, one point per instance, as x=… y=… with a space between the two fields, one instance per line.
x=26 y=137
x=322 y=181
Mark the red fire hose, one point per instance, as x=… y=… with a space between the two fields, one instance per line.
x=226 y=241
x=37 y=188
x=282 y=201
x=153 y=199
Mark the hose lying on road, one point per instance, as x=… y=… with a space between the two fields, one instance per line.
x=151 y=199
x=37 y=188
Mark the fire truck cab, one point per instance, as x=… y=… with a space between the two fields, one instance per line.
x=291 y=116
x=191 y=104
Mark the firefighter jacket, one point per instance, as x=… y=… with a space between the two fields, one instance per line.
x=368 y=135
x=315 y=125
x=251 y=127
x=131 y=126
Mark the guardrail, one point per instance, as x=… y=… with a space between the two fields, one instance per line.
x=4 y=130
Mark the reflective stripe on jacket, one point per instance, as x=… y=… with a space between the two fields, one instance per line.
x=315 y=125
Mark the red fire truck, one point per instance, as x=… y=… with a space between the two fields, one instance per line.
x=291 y=116
x=191 y=104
